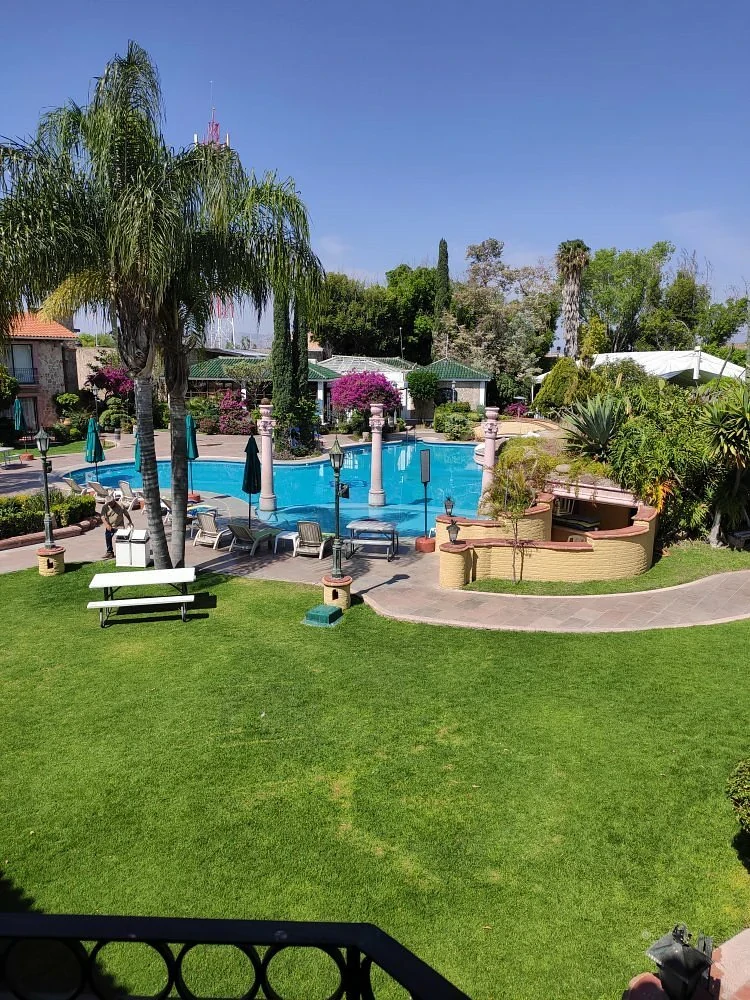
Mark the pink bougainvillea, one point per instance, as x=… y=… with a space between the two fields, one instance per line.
x=357 y=390
x=112 y=378
x=516 y=410
x=233 y=415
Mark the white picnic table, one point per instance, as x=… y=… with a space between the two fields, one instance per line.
x=5 y=452
x=368 y=531
x=112 y=582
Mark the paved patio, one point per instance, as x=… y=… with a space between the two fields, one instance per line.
x=406 y=588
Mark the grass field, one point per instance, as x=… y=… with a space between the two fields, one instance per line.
x=525 y=811
x=71 y=448
x=679 y=564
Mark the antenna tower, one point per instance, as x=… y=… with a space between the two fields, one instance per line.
x=221 y=332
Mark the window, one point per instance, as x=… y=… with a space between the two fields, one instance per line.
x=19 y=360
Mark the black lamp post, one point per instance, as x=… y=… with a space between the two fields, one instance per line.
x=453 y=528
x=42 y=443
x=337 y=461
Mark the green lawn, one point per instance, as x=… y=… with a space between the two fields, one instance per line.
x=71 y=448
x=680 y=564
x=526 y=811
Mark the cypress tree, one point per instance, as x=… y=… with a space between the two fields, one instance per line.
x=442 y=282
x=282 y=373
x=299 y=351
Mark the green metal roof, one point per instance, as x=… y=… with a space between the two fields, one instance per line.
x=220 y=369
x=398 y=363
x=447 y=370
x=319 y=373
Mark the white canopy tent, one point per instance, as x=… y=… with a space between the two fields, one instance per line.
x=684 y=367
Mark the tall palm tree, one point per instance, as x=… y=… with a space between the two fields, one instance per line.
x=240 y=238
x=572 y=258
x=87 y=219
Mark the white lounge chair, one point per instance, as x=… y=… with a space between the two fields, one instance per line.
x=101 y=493
x=75 y=487
x=311 y=541
x=130 y=496
x=244 y=537
x=209 y=533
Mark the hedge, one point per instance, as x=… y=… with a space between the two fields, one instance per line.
x=23 y=515
x=738 y=790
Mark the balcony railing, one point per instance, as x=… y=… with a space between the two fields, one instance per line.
x=26 y=376
x=42 y=954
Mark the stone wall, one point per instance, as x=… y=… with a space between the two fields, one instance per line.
x=86 y=356
x=603 y=555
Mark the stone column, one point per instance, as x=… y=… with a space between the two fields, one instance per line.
x=266 y=426
x=376 y=496
x=489 y=426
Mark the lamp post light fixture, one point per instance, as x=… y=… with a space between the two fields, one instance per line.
x=454 y=392
x=336 y=456
x=453 y=530
x=449 y=504
x=42 y=443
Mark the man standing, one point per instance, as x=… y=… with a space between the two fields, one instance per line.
x=113 y=515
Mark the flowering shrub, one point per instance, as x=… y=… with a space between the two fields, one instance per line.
x=112 y=378
x=516 y=410
x=208 y=425
x=233 y=416
x=357 y=390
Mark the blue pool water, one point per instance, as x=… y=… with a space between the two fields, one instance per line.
x=305 y=490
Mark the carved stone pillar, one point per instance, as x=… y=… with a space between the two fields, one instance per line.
x=266 y=426
x=376 y=496
x=489 y=426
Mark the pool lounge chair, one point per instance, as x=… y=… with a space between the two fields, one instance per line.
x=244 y=537
x=209 y=533
x=100 y=492
x=75 y=487
x=311 y=540
x=130 y=498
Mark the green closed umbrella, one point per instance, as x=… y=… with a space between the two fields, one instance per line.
x=251 y=476
x=192 y=444
x=94 y=450
x=19 y=419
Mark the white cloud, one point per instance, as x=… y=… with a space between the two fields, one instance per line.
x=331 y=248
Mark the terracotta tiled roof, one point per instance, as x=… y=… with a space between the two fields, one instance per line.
x=31 y=326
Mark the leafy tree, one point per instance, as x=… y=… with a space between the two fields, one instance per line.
x=299 y=350
x=619 y=287
x=558 y=388
x=423 y=386
x=8 y=388
x=503 y=319
x=593 y=339
x=442 y=281
x=98 y=340
x=572 y=258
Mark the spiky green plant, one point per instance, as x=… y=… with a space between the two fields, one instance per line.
x=591 y=425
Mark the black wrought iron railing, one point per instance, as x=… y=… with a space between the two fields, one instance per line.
x=26 y=376
x=64 y=956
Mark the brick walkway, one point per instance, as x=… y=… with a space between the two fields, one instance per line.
x=406 y=588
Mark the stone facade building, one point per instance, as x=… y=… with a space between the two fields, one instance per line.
x=41 y=355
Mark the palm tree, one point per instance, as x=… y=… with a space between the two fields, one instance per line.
x=727 y=425
x=572 y=259
x=240 y=238
x=88 y=219
x=122 y=221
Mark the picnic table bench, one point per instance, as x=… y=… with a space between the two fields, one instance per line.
x=368 y=532
x=112 y=582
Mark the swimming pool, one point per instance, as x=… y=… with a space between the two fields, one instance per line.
x=304 y=490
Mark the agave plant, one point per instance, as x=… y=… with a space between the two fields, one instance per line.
x=592 y=425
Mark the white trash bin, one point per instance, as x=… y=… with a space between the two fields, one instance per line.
x=140 y=548
x=122 y=547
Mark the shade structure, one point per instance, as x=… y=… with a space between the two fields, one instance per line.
x=192 y=444
x=137 y=454
x=251 y=476
x=19 y=419
x=94 y=450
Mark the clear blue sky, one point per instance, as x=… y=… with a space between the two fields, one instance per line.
x=403 y=121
